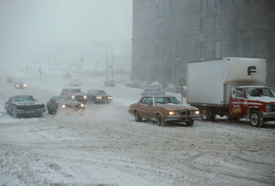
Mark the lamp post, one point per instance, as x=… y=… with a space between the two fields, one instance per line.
x=81 y=59
x=112 y=61
x=106 y=60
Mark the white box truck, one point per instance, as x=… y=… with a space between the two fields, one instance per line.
x=232 y=87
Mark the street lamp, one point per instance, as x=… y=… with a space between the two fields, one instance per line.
x=106 y=60
x=112 y=61
x=81 y=59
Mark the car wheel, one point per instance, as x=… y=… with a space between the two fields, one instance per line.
x=14 y=113
x=160 y=120
x=190 y=123
x=137 y=117
x=255 y=119
x=49 y=110
x=207 y=115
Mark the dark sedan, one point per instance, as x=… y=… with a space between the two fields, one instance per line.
x=24 y=105
x=63 y=103
x=98 y=96
x=110 y=83
x=20 y=85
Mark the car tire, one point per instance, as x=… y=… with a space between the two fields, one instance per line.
x=14 y=113
x=138 y=118
x=207 y=114
x=190 y=123
x=160 y=120
x=255 y=119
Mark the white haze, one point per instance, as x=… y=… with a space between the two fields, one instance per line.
x=31 y=30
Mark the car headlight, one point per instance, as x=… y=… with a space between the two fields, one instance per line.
x=85 y=97
x=98 y=97
x=73 y=96
x=17 y=85
x=24 y=85
x=196 y=112
x=110 y=98
x=82 y=105
x=63 y=106
x=172 y=113
x=268 y=108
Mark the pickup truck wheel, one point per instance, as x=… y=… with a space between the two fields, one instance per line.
x=160 y=120
x=255 y=119
x=190 y=123
x=206 y=114
x=137 y=117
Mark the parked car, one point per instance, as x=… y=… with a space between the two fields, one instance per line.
x=110 y=83
x=10 y=80
x=64 y=103
x=98 y=96
x=75 y=93
x=163 y=109
x=24 y=105
x=152 y=90
x=75 y=82
x=20 y=85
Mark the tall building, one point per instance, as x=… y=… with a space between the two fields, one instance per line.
x=169 y=33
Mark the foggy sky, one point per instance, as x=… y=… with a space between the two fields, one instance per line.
x=31 y=29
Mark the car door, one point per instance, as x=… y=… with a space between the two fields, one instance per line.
x=52 y=104
x=237 y=103
x=145 y=106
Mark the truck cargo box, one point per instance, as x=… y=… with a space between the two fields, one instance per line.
x=209 y=82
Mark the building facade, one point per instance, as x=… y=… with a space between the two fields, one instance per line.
x=169 y=33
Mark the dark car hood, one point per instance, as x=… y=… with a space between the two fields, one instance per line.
x=69 y=103
x=28 y=103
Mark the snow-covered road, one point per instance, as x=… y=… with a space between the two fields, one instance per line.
x=105 y=146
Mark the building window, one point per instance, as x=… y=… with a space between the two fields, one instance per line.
x=226 y=2
x=217 y=23
x=202 y=26
x=217 y=49
x=210 y=4
x=167 y=8
x=203 y=5
x=177 y=49
x=158 y=30
x=157 y=51
x=246 y=47
x=203 y=49
x=218 y=3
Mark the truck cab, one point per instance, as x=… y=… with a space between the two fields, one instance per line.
x=256 y=103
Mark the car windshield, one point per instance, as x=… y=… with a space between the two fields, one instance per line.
x=75 y=91
x=258 y=91
x=23 y=98
x=99 y=92
x=64 y=99
x=166 y=100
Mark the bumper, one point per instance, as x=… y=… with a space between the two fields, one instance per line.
x=30 y=112
x=269 y=115
x=177 y=118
